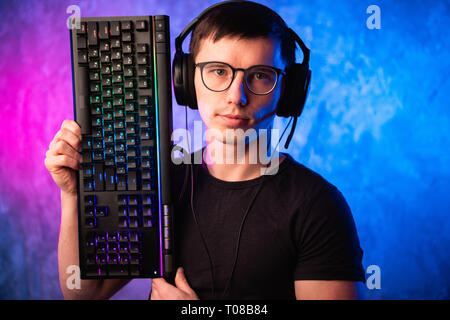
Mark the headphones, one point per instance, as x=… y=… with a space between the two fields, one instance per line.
x=298 y=75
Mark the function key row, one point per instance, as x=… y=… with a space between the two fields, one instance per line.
x=95 y=31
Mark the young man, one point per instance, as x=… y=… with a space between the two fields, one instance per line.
x=239 y=234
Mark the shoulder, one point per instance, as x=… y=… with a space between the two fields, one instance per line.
x=300 y=185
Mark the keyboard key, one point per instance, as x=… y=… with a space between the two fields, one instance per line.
x=147 y=210
x=126 y=37
x=116 y=67
x=147 y=152
x=86 y=143
x=123 y=211
x=132 y=152
x=118 y=90
x=142 y=71
x=129 y=107
x=105 y=58
x=101 y=211
x=123 y=222
x=115 y=43
x=104 y=46
x=127 y=48
x=141 y=25
x=124 y=236
x=116 y=54
x=105 y=69
x=121 y=169
x=134 y=222
x=124 y=248
x=89 y=200
x=89 y=211
x=98 y=172
x=115 y=28
x=118 y=101
x=118 y=113
x=147 y=174
x=91 y=222
x=127 y=59
x=147 y=199
x=92 y=33
x=108 y=116
x=82 y=57
x=103 y=30
x=93 y=64
x=134 y=236
x=121 y=183
x=117 y=78
x=135 y=247
x=113 y=236
x=131 y=118
x=129 y=95
x=126 y=25
x=120 y=147
x=147 y=162
x=97 y=132
x=131 y=129
x=114 y=248
x=129 y=84
x=93 y=53
x=82 y=29
x=142 y=59
x=147 y=222
x=128 y=71
x=132 y=180
x=141 y=48
x=143 y=83
x=144 y=100
x=81 y=42
x=147 y=185
x=122 y=199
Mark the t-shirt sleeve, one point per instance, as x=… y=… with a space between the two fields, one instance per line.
x=328 y=246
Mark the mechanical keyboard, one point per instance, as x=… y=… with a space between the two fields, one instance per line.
x=123 y=104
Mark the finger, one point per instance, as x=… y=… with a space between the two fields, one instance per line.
x=61 y=147
x=181 y=281
x=72 y=126
x=158 y=282
x=68 y=136
x=54 y=163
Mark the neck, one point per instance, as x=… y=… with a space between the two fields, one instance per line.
x=241 y=160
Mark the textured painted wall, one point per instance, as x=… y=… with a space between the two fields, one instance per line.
x=376 y=125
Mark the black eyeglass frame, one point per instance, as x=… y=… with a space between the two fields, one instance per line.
x=277 y=71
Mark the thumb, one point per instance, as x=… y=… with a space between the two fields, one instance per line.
x=181 y=281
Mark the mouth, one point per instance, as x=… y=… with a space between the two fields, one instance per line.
x=234 y=120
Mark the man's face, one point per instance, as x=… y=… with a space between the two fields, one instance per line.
x=237 y=107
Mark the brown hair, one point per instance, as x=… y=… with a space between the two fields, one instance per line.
x=244 y=20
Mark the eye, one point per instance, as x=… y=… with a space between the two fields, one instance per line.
x=220 y=72
x=216 y=70
x=260 y=76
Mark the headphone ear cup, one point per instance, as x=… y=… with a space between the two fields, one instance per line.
x=183 y=80
x=295 y=92
x=189 y=71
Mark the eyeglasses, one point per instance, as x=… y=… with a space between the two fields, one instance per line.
x=218 y=76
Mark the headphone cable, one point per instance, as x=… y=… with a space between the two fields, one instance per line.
x=245 y=217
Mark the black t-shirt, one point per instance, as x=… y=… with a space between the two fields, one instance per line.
x=298 y=228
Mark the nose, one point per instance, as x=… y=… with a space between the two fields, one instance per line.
x=237 y=91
